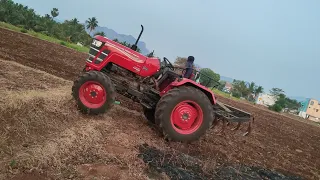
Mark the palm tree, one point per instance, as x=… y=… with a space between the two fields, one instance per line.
x=54 y=12
x=252 y=87
x=92 y=23
x=259 y=90
x=74 y=21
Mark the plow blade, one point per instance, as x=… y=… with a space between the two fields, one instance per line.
x=229 y=114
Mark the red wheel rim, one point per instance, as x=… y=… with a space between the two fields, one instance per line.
x=186 y=117
x=92 y=94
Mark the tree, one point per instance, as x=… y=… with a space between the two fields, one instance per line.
x=47 y=16
x=283 y=101
x=279 y=104
x=54 y=12
x=74 y=21
x=92 y=23
x=252 y=87
x=221 y=85
x=208 y=77
x=292 y=104
x=276 y=107
x=100 y=33
x=240 y=88
x=258 y=90
x=276 y=92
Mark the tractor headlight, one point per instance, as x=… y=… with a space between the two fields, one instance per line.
x=96 y=43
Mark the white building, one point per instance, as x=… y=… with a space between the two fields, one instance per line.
x=266 y=99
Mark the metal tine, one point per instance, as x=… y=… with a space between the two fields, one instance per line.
x=248 y=131
x=221 y=132
x=237 y=127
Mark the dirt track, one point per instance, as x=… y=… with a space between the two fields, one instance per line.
x=277 y=142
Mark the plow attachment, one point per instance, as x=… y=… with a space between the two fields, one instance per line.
x=228 y=114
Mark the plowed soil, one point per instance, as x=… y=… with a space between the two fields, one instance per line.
x=43 y=136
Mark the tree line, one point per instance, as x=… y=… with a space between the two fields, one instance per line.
x=283 y=103
x=26 y=18
x=70 y=30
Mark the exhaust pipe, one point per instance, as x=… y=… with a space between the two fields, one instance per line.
x=135 y=45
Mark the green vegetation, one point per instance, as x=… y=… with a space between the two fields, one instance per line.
x=23 y=19
x=246 y=91
x=223 y=94
x=209 y=77
x=44 y=37
x=283 y=102
x=23 y=30
x=92 y=23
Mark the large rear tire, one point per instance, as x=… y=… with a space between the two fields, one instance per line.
x=94 y=92
x=184 y=114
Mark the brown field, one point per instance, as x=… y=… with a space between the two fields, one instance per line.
x=43 y=136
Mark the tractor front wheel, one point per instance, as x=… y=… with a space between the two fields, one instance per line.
x=184 y=114
x=93 y=92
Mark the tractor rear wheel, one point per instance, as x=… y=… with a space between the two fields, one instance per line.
x=93 y=92
x=184 y=114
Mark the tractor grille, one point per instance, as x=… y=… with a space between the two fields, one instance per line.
x=94 y=50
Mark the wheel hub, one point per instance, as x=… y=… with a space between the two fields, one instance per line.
x=184 y=116
x=92 y=94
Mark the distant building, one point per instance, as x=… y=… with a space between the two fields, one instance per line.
x=266 y=99
x=310 y=109
x=228 y=87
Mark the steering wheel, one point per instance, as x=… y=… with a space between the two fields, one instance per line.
x=168 y=62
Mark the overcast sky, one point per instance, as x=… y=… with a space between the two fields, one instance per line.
x=271 y=42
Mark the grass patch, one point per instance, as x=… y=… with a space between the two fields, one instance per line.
x=44 y=37
x=23 y=31
x=9 y=26
x=226 y=95
x=63 y=43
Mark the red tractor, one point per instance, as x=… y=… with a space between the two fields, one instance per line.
x=182 y=109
